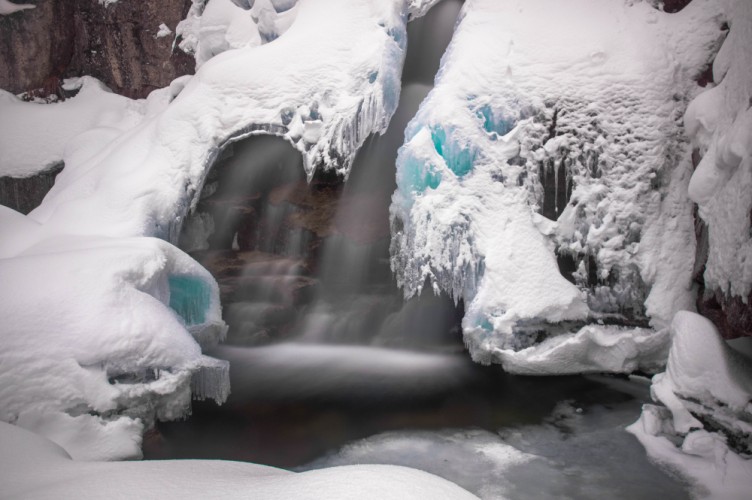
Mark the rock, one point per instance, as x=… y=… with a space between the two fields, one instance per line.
x=119 y=45
x=25 y=194
x=116 y=44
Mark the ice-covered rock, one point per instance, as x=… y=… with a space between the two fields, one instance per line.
x=533 y=150
x=701 y=425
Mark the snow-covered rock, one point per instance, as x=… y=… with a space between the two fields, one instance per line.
x=701 y=426
x=102 y=336
x=599 y=117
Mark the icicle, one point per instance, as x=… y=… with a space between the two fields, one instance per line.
x=211 y=380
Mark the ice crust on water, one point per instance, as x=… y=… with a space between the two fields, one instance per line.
x=605 y=112
x=701 y=425
x=577 y=452
x=103 y=325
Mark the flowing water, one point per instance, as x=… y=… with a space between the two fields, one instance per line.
x=330 y=366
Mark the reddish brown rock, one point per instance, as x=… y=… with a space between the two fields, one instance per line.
x=117 y=44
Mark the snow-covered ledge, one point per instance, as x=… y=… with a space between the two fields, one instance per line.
x=701 y=426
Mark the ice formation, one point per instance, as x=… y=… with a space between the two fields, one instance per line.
x=53 y=474
x=599 y=119
x=701 y=426
x=35 y=136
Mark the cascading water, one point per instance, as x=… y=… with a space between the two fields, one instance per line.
x=324 y=352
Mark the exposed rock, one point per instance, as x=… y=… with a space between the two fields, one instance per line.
x=25 y=194
x=115 y=43
x=36 y=46
x=119 y=45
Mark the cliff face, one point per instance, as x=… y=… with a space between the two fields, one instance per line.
x=117 y=44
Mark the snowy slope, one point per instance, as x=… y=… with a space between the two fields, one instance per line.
x=602 y=110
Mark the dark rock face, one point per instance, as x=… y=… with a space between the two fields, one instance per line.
x=117 y=44
x=24 y=195
x=36 y=46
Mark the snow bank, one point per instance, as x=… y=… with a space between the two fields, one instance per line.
x=701 y=425
x=34 y=136
x=44 y=470
x=599 y=118
x=720 y=123
x=99 y=340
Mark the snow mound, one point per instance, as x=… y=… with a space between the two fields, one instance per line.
x=35 y=136
x=720 y=123
x=43 y=470
x=103 y=336
x=533 y=150
x=702 y=425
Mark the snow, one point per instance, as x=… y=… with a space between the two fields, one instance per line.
x=163 y=31
x=701 y=425
x=720 y=123
x=604 y=111
x=92 y=351
x=593 y=348
x=44 y=470
x=34 y=136
x=7 y=7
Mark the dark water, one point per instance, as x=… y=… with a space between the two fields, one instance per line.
x=330 y=366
